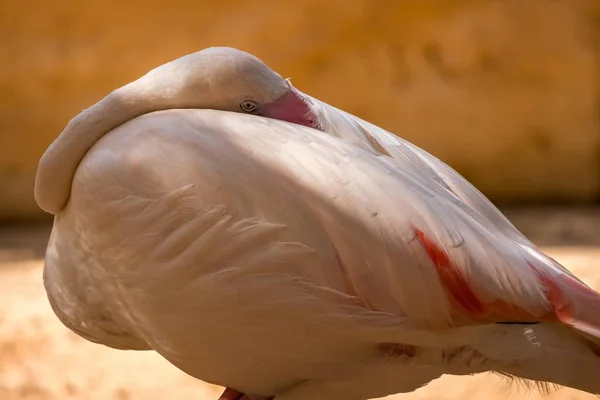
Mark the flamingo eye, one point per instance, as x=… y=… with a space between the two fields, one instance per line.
x=248 y=106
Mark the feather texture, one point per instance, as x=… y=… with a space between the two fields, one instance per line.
x=269 y=257
x=286 y=261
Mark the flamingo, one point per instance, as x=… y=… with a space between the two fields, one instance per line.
x=262 y=240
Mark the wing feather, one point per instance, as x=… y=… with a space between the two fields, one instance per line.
x=501 y=265
x=403 y=243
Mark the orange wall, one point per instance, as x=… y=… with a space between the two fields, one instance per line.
x=506 y=91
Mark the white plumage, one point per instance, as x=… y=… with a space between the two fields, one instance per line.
x=282 y=260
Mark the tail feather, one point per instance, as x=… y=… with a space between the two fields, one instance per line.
x=575 y=304
x=545 y=388
x=546 y=352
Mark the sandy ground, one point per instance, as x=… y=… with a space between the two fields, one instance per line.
x=41 y=359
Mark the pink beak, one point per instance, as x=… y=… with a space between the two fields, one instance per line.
x=291 y=107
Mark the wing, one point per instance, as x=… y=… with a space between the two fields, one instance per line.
x=450 y=185
x=411 y=158
x=417 y=162
x=400 y=244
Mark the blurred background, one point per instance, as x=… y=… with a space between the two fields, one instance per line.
x=505 y=91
